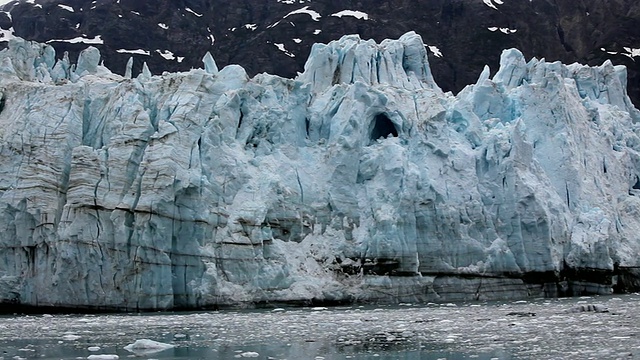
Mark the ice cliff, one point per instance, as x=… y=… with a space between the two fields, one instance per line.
x=360 y=180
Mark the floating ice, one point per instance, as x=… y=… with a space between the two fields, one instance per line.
x=146 y=346
x=71 y=337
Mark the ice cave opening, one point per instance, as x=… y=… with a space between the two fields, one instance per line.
x=382 y=128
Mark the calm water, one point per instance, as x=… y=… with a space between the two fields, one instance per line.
x=549 y=329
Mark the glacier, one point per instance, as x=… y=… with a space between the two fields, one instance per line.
x=358 y=181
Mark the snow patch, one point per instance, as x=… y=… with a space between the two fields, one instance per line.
x=168 y=55
x=504 y=30
x=136 y=51
x=251 y=27
x=66 y=7
x=80 y=40
x=631 y=52
x=628 y=51
x=164 y=26
x=297 y=41
x=434 y=49
x=490 y=3
x=282 y=48
x=6 y=35
x=315 y=16
x=193 y=12
x=356 y=14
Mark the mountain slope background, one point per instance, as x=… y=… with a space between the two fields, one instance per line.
x=276 y=36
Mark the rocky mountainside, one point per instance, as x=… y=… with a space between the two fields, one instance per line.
x=276 y=36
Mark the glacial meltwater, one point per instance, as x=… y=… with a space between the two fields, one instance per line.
x=568 y=328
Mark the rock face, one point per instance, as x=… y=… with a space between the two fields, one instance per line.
x=359 y=180
x=276 y=36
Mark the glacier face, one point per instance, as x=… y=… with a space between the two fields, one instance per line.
x=360 y=180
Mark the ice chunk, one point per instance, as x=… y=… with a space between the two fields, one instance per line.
x=145 y=346
x=249 y=354
x=71 y=337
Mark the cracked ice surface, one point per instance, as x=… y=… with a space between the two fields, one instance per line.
x=507 y=330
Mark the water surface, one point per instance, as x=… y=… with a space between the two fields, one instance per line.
x=537 y=329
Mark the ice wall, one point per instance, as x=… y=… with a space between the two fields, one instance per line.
x=360 y=180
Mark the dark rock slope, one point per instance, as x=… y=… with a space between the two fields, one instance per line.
x=276 y=36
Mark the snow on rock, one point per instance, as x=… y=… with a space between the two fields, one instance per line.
x=135 y=51
x=193 y=12
x=6 y=35
x=358 y=180
x=354 y=13
x=79 y=39
x=315 y=16
x=168 y=55
x=66 y=7
x=284 y=50
x=490 y=3
x=435 y=51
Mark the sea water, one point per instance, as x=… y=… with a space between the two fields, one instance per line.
x=568 y=328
